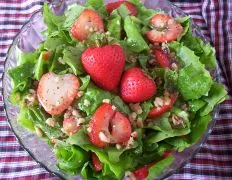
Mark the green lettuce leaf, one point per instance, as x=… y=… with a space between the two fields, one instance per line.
x=114 y=25
x=194 y=82
x=53 y=22
x=72 y=13
x=72 y=57
x=24 y=119
x=21 y=76
x=70 y=158
x=95 y=97
x=38 y=117
x=199 y=126
x=159 y=167
x=217 y=94
x=134 y=37
x=85 y=82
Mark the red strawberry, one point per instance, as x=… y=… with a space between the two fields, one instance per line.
x=136 y=86
x=88 y=22
x=70 y=126
x=114 y=5
x=96 y=162
x=55 y=93
x=165 y=29
x=158 y=111
x=108 y=126
x=161 y=58
x=104 y=65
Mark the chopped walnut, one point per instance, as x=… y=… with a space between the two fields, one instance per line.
x=136 y=108
x=51 y=122
x=131 y=141
x=176 y=120
x=139 y=122
x=39 y=132
x=106 y=101
x=31 y=98
x=129 y=176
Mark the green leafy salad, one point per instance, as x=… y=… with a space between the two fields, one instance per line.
x=115 y=89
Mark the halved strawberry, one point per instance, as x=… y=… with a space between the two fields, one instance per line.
x=70 y=125
x=114 y=5
x=161 y=57
x=158 y=111
x=88 y=22
x=55 y=93
x=96 y=162
x=108 y=126
x=46 y=55
x=165 y=29
x=136 y=86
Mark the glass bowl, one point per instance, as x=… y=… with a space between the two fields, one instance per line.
x=28 y=40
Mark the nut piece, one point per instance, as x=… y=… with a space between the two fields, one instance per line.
x=86 y=103
x=51 y=122
x=129 y=176
x=104 y=138
x=136 y=108
x=38 y=131
x=158 y=102
x=106 y=101
x=118 y=146
x=176 y=120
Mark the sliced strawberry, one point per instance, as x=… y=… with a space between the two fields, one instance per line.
x=136 y=86
x=103 y=121
x=158 y=111
x=165 y=29
x=55 y=93
x=121 y=128
x=114 y=5
x=46 y=55
x=141 y=173
x=70 y=126
x=167 y=153
x=161 y=58
x=88 y=22
x=96 y=162
x=104 y=65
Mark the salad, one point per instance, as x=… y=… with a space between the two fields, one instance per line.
x=115 y=89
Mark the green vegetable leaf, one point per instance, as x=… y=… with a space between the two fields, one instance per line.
x=39 y=119
x=21 y=76
x=159 y=167
x=85 y=82
x=196 y=104
x=72 y=57
x=95 y=97
x=134 y=37
x=217 y=94
x=24 y=120
x=114 y=25
x=194 y=82
x=53 y=22
x=72 y=13
x=40 y=67
x=199 y=126
x=121 y=105
x=70 y=158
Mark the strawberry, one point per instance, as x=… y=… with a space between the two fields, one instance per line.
x=165 y=29
x=159 y=111
x=55 y=93
x=136 y=86
x=88 y=22
x=161 y=58
x=70 y=125
x=114 y=5
x=104 y=65
x=108 y=126
x=96 y=162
